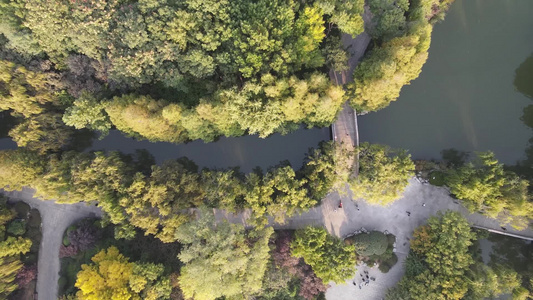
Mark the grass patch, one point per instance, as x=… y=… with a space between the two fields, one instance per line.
x=437 y=178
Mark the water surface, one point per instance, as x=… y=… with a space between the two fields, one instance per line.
x=465 y=97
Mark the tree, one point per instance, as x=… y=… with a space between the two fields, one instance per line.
x=382 y=74
x=23 y=91
x=84 y=236
x=389 y=18
x=336 y=56
x=284 y=263
x=330 y=258
x=383 y=174
x=484 y=185
x=223 y=189
x=156 y=203
x=87 y=112
x=440 y=248
x=347 y=15
x=26 y=274
x=278 y=193
x=19 y=168
x=112 y=276
x=492 y=282
x=11 y=249
x=141 y=116
x=43 y=133
x=221 y=254
x=327 y=169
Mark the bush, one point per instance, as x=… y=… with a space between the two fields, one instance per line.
x=17 y=227
x=22 y=209
x=386 y=265
x=66 y=240
x=26 y=274
x=372 y=243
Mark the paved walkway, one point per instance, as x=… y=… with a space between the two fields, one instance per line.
x=56 y=218
x=345 y=129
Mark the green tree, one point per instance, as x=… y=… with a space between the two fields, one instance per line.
x=142 y=116
x=383 y=174
x=223 y=189
x=347 y=15
x=441 y=247
x=87 y=112
x=389 y=18
x=19 y=168
x=484 y=185
x=218 y=254
x=23 y=91
x=42 y=133
x=327 y=169
x=157 y=203
x=330 y=258
x=492 y=282
x=382 y=74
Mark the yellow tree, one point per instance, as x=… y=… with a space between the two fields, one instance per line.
x=107 y=278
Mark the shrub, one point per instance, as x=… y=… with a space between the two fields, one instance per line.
x=17 y=227
x=22 y=209
x=372 y=243
x=386 y=265
x=26 y=274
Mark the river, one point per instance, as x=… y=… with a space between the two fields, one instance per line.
x=467 y=96
x=246 y=152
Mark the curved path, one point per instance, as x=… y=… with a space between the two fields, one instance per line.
x=56 y=218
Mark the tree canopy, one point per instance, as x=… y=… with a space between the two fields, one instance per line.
x=12 y=249
x=402 y=30
x=441 y=264
x=329 y=257
x=220 y=255
x=484 y=185
x=157 y=199
x=383 y=174
x=113 y=276
x=177 y=71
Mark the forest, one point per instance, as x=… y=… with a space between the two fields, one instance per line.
x=178 y=71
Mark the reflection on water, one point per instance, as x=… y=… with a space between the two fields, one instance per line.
x=246 y=152
x=465 y=97
x=523 y=80
x=523 y=83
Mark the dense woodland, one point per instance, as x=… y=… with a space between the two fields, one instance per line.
x=20 y=235
x=178 y=71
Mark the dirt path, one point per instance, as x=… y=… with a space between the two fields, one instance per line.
x=55 y=220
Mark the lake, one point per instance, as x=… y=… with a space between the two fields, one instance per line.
x=467 y=96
